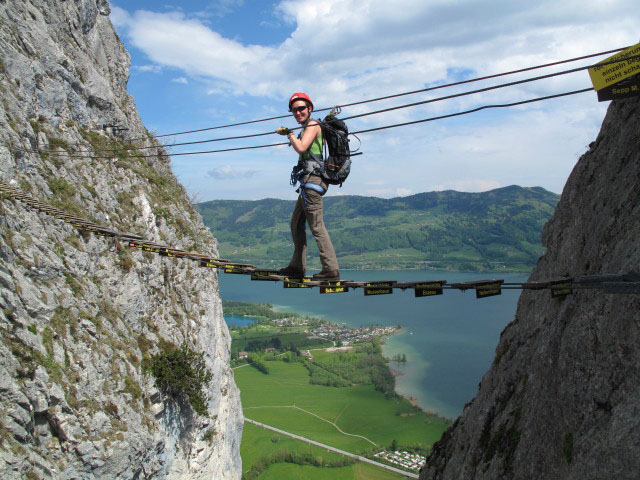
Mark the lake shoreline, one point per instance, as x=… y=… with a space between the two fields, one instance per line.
x=394 y=372
x=449 y=339
x=411 y=398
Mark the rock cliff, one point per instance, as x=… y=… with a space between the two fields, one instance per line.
x=79 y=314
x=562 y=398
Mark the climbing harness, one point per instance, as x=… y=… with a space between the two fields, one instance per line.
x=311 y=186
x=296 y=178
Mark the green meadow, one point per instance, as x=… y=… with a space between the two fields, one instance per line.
x=356 y=419
x=262 y=334
x=258 y=442
x=359 y=471
x=287 y=340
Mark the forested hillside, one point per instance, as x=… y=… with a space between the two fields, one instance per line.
x=494 y=230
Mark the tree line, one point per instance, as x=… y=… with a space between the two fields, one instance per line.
x=366 y=366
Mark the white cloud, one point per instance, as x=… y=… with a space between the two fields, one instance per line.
x=475 y=185
x=148 y=68
x=378 y=192
x=342 y=51
x=174 y=40
x=378 y=47
x=220 y=8
x=182 y=80
x=403 y=192
x=227 y=172
x=467 y=185
x=119 y=17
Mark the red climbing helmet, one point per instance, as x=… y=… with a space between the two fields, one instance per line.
x=300 y=96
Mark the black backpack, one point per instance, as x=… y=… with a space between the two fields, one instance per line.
x=337 y=163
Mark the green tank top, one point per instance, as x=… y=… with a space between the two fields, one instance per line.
x=311 y=161
x=316 y=145
x=315 y=148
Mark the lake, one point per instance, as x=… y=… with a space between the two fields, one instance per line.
x=449 y=340
x=238 y=321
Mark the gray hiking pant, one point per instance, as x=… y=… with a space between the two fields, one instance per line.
x=311 y=213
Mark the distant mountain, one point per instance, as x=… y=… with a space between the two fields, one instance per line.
x=499 y=229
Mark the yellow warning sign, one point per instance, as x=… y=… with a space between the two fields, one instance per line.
x=606 y=75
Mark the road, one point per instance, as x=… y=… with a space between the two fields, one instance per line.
x=333 y=449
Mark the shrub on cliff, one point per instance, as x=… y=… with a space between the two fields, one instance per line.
x=182 y=372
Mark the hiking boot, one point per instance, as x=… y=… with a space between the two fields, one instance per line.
x=327 y=276
x=291 y=272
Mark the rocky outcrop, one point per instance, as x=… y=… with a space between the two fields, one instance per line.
x=562 y=398
x=80 y=315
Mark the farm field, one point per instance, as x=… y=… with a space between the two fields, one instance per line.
x=355 y=419
x=255 y=331
x=298 y=340
x=258 y=442
x=359 y=471
x=290 y=336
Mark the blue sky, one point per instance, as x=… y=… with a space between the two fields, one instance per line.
x=199 y=64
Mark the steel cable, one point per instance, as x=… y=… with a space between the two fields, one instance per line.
x=387 y=97
x=378 y=99
x=512 y=104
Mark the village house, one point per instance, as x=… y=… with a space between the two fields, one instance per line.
x=403 y=459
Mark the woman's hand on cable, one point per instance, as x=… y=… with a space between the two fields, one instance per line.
x=287 y=132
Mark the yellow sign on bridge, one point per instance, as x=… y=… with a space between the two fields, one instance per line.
x=603 y=76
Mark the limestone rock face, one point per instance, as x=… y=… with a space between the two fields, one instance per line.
x=562 y=398
x=81 y=314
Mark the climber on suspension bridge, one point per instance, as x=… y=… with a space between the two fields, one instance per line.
x=308 y=209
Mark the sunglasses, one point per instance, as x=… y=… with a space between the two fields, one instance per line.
x=299 y=109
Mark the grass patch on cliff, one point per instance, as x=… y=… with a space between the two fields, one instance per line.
x=60 y=187
x=55 y=142
x=64 y=196
x=132 y=387
x=125 y=262
x=108 y=147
